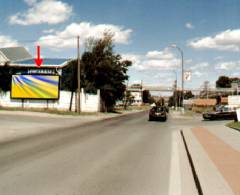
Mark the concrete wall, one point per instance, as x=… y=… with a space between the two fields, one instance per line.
x=89 y=102
x=234 y=101
x=137 y=98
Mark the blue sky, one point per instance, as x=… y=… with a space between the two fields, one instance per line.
x=207 y=31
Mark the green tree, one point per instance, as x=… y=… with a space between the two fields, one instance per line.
x=5 y=78
x=128 y=99
x=147 y=97
x=69 y=77
x=160 y=102
x=102 y=69
x=223 y=82
x=176 y=99
x=171 y=101
x=188 y=95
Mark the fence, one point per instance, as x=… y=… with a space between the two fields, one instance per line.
x=89 y=102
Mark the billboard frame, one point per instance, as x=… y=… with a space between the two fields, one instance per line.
x=19 y=98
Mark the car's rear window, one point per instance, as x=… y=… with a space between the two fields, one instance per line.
x=159 y=109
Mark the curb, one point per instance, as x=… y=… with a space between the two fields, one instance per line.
x=212 y=181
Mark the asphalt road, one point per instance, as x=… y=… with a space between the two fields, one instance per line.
x=122 y=156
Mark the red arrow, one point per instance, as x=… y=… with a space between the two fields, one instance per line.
x=38 y=60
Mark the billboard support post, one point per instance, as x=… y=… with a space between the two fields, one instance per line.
x=22 y=103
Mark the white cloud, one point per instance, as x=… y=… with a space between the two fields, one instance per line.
x=7 y=41
x=201 y=65
x=48 y=31
x=189 y=25
x=218 y=58
x=235 y=74
x=228 y=40
x=67 y=37
x=154 y=60
x=132 y=57
x=227 y=66
x=198 y=73
x=188 y=61
x=161 y=64
x=43 y=11
x=165 y=54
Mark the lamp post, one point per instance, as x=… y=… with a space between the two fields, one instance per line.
x=182 y=65
x=175 y=89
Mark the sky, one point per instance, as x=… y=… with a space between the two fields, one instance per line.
x=208 y=33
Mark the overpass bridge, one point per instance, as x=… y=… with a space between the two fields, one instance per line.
x=171 y=89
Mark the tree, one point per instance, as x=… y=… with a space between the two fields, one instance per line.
x=147 y=98
x=160 y=102
x=5 y=78
x=218 y=100
x=128 y=99
x=176 y=99
x=103 y=69
x=223 y=82
x=171 y=101
x=69 y=77
x=188 y=95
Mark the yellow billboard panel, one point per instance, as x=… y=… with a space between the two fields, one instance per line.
x=35 y=87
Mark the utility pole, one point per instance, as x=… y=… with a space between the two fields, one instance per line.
x=78 y=76
x=182 y=67
x=175 y=90
x=142 y=90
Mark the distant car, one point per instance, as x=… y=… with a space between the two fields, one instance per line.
x=158 y=113
x=221 y=113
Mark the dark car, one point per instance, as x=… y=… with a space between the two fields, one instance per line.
x=221 y=113
x=158 y=113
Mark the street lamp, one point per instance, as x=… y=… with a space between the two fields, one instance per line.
x=181 y=52
x=175 y=84
x=175 y=89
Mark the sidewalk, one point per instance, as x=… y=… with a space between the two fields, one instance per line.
x=215 y=150
x=17 y=124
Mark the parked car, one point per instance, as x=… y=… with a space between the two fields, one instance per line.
x=221 y=113
x=158 y=113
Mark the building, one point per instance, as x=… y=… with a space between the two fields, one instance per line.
x=136 y=91
x=12 y=54
x=20 y=58
x=39 y=87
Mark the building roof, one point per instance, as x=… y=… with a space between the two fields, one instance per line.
x=20 y=57
x=10 y=54
x=47 y=63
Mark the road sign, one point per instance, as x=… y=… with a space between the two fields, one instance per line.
x=187 y=76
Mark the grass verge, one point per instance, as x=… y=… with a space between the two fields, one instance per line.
x=234 y=125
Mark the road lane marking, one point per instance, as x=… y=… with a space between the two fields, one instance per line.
x=175 y=175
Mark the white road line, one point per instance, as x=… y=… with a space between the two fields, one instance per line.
x=175 y=175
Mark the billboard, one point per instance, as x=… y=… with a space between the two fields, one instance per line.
x=35 y=87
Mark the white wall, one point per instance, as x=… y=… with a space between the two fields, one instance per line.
x=234 y=101
x=137 y=97
x=89 y=102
